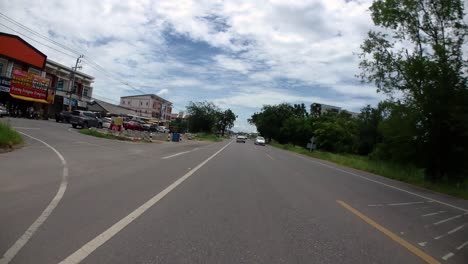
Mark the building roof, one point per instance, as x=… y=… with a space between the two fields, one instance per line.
x=114 y=109
x=56 y=64
x=146 y=95
x=16 y=48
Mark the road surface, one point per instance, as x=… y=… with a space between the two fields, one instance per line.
x=72 y=198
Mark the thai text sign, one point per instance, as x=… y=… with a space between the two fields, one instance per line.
x=27 y=84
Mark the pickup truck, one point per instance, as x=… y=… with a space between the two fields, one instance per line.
x=84 y=119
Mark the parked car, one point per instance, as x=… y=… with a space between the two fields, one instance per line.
x=133 y=125
x=145 y=126
x=241 y=138
x=106 y=122
x=162 y=129
x=3 y=111
x=85 y=119
x=64 y=116
x=260 y=141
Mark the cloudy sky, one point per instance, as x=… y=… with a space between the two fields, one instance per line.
x=238 y=54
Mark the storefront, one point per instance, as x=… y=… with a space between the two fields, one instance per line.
x=23 y=86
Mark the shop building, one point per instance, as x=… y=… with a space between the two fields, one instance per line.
x=61 y=81
x=28 y=80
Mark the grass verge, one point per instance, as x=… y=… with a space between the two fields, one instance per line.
x=9 y=137
x=101 y=135
x=408 y=174
x=207 y=137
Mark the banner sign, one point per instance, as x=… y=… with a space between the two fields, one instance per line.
x=5 y=83
x=27 y=84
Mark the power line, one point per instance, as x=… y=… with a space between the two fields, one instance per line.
x=17 y=32
x=38 y=34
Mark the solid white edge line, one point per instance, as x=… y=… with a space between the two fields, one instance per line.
x=448 y=255
x=102 y=238
x=175 y=155
x=19 y=244
x=384 y=184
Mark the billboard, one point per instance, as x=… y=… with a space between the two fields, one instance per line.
x=5 y=83
x=27 y=84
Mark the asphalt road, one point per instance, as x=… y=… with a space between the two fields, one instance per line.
x=71 y=198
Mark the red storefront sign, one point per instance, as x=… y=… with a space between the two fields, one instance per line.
x=27 y=84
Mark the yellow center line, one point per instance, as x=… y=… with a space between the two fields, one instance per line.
x=390 y=234
x=270 y=156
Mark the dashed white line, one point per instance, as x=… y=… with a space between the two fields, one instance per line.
x=446 y=220
x=434 y=213
x=450 y=232
x=19 y=244
x=376 y=205
x=448 y=255
x=410 y=203
x=462 y=245
x=175 y=155
x=92 y=245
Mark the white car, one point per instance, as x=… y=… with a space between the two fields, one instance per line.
x=162 y=129
x=106 y=122
x=241 y=139
x=260 y=141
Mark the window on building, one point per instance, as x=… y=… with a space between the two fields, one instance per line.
x=3 y=66
x=85 y=92
x=146 y=103
x=60 y=84
x=141 y=103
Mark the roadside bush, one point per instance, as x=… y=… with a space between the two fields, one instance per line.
x=8 y=136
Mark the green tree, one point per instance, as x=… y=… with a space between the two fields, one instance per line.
x=418 y=56
x=202 y=116
x=271 y=119
x=368 y=129
x=225 y=120
x=335 y=132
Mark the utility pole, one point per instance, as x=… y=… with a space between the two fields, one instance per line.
x=72 y=88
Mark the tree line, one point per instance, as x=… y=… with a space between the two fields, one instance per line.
x=417 y=61
x=208 y=118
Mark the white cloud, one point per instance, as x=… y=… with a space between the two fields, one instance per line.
x=163 y=92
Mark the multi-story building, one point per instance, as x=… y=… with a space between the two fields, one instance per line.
x=28 y=79
x=61 y=80
x=148 y=105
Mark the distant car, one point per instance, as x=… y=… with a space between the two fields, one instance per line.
x=106 y=122
x=241 y=139
x=162 y=129
x=260 y=141
x=84 y=119
x=133 y=125
x=3 y=111
x=64 y=116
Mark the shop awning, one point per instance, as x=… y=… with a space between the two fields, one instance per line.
x=29 y=98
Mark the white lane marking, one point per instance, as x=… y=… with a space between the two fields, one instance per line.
x=446 y=220
x=376 y=205
x=175 y=155
x=96 y=242
x=462 y=245
x=410 y=203
x=434 y=213
x=448 y=255
x=449 y=232
x=28 y=128
x=384 y=184
x=19 y=244
x=422 y=244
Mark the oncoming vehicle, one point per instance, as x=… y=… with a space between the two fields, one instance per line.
x=241 y=138
x=260 y=141
x=84 y=119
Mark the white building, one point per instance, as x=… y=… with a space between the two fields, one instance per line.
x=148 y=105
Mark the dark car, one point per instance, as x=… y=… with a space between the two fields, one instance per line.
x=85 y=119
x=64 y=116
